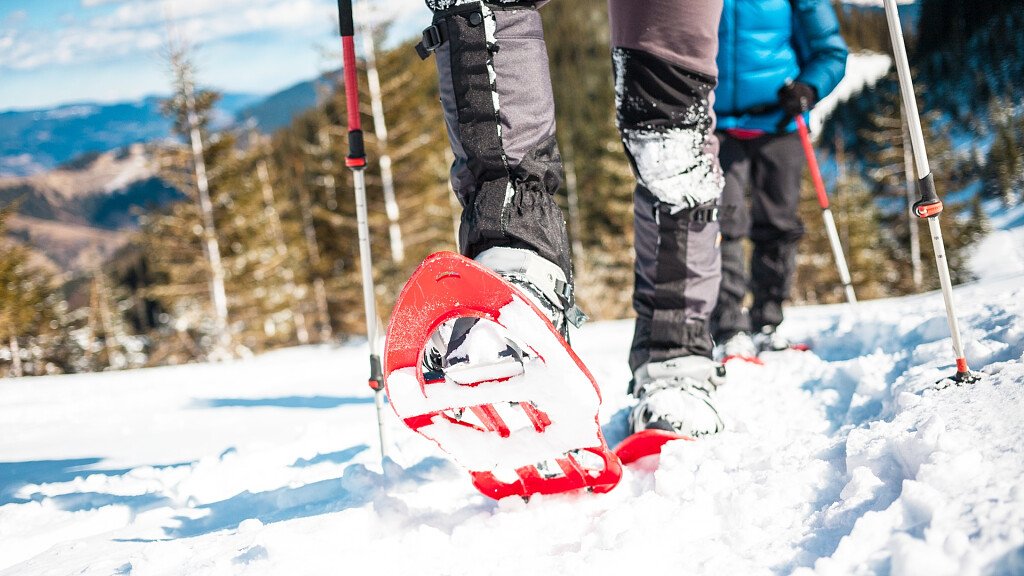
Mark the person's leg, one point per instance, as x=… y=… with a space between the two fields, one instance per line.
x=729 y=317
x=663 y=54
x=499 y=109
x=776 y=226
x=666 y=123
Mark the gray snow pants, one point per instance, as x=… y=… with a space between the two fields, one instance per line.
x=768 y=169
x=499 y=110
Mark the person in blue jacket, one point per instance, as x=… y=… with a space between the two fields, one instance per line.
x=776 y=59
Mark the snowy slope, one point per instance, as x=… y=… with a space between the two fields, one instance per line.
x=845 y=460
x=1001 y=252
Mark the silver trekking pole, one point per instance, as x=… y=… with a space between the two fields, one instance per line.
x=928 y=206
x=826 y=211
x=356 y=161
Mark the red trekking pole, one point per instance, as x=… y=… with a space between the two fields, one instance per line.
x=356 y=161
x=826 y=212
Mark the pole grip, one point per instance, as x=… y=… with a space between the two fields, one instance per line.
x=356 y=158
x=812 y=161
x=346 y=23
x=929 y=204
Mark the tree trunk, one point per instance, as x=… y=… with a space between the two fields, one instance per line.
x=15 y=358
x=313 y=250
x=218 y=294
x=911 y=173
x=381 y=131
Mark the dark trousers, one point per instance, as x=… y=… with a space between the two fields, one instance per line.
x=760 y=202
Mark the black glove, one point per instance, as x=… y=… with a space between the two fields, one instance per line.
x=797 y=98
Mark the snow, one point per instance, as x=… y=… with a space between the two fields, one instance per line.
x=849 y=459
x=1001 y=252
x=863 y=70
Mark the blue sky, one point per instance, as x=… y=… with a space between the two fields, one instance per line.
x=61 y=51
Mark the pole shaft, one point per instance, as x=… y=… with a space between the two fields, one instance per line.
x=837 y=253
x=947 y=285
x=812 y=161
x=826 y=212
x=907 y=88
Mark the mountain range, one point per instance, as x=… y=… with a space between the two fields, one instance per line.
x=35 y=141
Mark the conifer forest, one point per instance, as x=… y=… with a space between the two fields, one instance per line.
x=253 y=245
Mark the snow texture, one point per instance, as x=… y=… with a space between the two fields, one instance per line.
x=845 y=460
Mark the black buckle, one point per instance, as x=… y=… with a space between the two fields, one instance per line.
x=704 y=215
x=432 y=40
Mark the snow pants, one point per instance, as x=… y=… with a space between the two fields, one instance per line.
x=770 y=168
x=663 y=53
x=496 y=93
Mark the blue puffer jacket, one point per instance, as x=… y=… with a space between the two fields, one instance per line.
x=764 y=43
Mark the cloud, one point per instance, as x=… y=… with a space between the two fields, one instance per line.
x=109 y=29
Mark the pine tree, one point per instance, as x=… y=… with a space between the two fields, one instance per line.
x=29 y=306
x=184 y=244
x=578 y=40
x=1003 y=174
x=882 y=142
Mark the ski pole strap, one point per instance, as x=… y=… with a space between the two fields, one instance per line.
x=929 y=205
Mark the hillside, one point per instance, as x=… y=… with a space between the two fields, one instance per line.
x=77 y=213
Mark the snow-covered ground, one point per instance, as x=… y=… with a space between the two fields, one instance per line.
x=845 y=460
x=1001 y=253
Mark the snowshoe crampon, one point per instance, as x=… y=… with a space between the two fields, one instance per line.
x=531 y=431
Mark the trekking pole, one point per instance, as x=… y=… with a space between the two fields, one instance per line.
x=928 y=206
x=356 y=161
x=826 y=211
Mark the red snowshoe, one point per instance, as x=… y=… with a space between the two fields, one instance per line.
x=532 y=430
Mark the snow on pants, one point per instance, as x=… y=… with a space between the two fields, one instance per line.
x=663 y=54
x=500 y=112
x=770 y=168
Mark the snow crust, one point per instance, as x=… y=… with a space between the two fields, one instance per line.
x=845 y=460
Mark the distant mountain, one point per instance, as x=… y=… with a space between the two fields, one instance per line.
x=277 y=110
x=34 y=141
x=80 y=212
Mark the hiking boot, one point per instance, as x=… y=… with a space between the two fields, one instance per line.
x=471 y=350
x=675 y=395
